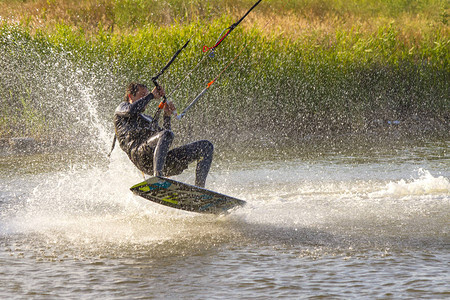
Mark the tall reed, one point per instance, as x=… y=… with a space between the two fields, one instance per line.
x=349 y=79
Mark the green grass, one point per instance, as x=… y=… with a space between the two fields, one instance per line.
x=333 y=77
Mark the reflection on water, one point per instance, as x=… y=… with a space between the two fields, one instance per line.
x=347 y=223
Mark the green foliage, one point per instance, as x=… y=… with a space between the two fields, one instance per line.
x=338 y=81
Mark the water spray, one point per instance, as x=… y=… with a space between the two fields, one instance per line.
x=205 y=50
x=212 y=81
x=155 y=81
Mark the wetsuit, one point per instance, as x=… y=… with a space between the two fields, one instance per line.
x=148 y=148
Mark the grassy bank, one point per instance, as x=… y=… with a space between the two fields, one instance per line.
x=319 y=67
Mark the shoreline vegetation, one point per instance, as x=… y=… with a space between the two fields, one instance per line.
x=318 y=67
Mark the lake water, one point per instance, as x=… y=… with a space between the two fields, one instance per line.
x=371 y=223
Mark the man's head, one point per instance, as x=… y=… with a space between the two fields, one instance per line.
x=135 y=91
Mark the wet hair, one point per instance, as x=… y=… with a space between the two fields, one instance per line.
x=132 y=89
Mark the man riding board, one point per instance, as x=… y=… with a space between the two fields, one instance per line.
x=147 y=145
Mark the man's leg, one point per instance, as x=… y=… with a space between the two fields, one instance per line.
x=179 y=158
x=165 y=139
x=152 y=154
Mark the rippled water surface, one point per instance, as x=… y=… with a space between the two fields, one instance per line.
x=365 y=224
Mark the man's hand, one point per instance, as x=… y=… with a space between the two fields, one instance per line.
x=158 y=92
x=169 y=109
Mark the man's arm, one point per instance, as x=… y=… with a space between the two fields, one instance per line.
x=166 y=123
x=126 y=109
x=169 y=109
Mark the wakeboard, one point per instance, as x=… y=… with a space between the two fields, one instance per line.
x=183 y=196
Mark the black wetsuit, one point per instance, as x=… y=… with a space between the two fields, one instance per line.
x=148 y=148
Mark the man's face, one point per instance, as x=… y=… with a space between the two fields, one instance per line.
x=142 y=92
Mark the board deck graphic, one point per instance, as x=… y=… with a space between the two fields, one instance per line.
x=184 y=196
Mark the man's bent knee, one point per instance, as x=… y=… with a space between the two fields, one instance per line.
x=167 y=134
x=207 y=146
